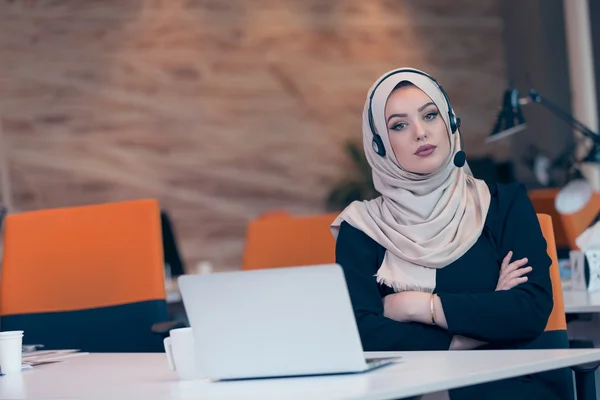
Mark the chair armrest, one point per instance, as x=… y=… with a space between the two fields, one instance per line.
x=585 y=380
x=163 y=328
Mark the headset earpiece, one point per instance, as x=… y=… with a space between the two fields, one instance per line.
x=457 y=123
x=377 y=143
x=378 y=146
x=452 y=118
x=453 y=126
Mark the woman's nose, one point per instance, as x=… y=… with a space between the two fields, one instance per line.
x=420 y=131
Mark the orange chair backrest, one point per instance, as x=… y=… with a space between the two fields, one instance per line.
x=285 y=241
x=557 y=320
x=543 y=203
x=84 y=257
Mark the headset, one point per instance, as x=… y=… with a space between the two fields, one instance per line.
x=379 y=148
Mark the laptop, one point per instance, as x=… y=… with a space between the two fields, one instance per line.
x=279 y=322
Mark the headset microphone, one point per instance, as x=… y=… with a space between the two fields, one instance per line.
x=460 y=158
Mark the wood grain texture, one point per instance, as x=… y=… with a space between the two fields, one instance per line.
x=221 y=109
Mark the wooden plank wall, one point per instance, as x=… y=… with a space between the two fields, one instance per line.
x=221 y=109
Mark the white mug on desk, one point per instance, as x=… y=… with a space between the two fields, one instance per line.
x=181 y=355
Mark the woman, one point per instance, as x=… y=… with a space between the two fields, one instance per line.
x=440 y=260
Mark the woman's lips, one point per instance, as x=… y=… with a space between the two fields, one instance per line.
x=425 y=150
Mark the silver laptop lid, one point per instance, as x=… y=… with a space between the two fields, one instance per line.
x=272 y=322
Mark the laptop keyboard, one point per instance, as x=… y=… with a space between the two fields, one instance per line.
x=378 y=362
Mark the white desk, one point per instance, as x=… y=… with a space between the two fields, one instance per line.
x=581 y=301
x=145 y=376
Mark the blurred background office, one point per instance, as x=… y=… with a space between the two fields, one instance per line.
x=226 y=109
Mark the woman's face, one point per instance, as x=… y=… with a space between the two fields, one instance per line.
x=418 y=134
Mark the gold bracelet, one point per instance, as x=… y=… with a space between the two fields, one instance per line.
x=431 y=309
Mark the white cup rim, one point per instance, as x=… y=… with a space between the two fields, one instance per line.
x=11 y=335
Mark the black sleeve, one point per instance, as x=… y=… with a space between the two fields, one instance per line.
x=518 y=314
x=357 y=254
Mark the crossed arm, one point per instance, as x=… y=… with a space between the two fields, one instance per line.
x=428 y=309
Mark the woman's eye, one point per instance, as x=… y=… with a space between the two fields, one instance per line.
x=399 y=126
x=430 y=116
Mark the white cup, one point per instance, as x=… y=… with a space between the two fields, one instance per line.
x=11 y=353
x=179 y=347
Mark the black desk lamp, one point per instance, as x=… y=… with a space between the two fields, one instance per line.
x=576 y=202
x=510 y=120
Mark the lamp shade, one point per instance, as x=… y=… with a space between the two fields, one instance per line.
x=510 y=119
x=573 y=197
x=578 y=205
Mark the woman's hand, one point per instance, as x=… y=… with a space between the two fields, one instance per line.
x=416 y=306
x=511 y=274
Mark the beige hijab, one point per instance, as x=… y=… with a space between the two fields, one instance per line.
x=425 y=222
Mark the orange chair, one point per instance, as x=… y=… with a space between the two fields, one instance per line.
x=555 y=334
x=557 y=320
x=281 y=240
x=90 y=277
